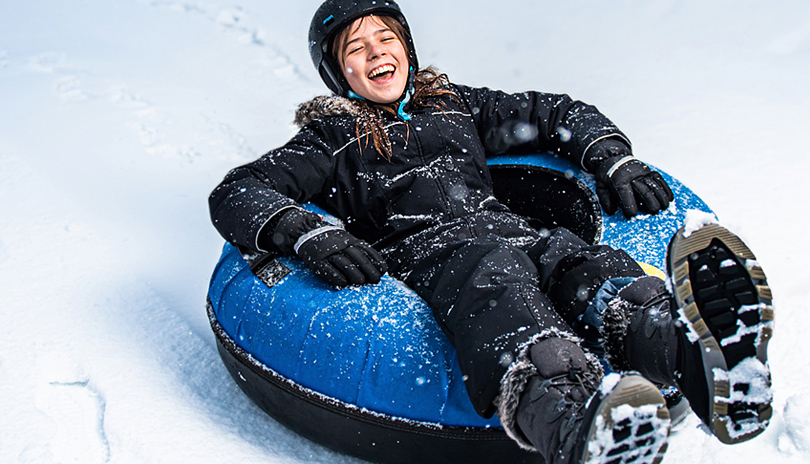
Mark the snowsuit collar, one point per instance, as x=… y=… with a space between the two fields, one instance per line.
x=325 y=106
x=333 y=105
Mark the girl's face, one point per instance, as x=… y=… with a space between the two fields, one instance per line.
x=374 y=61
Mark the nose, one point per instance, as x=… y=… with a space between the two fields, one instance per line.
x=376 y=50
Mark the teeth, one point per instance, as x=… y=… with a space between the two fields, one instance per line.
x=382 y=69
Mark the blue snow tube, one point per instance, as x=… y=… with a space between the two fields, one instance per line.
x=367 y=371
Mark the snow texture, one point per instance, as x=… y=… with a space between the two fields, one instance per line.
x=748 y=383
x=696 y=219
x=644 y=427
x=118 y=118
x=609 y=382
x=743 y=330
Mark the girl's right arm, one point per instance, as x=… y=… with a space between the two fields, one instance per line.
x=257 y=208
x=253 y=197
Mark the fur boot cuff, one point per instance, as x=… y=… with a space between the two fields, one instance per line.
x=517 y=376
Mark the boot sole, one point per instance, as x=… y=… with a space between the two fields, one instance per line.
x=723 y=300
x=631 y=425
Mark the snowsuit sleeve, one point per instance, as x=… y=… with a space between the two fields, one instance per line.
x=532 y=122
x=251 y=196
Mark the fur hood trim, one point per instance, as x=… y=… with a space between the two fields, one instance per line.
x=324 y=106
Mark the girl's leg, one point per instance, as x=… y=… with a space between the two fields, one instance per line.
x=571 y=271
x=709 y=338
x=485 y=297
x=517 y=354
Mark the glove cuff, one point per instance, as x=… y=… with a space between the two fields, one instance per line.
x=288 y=228
x=312 y=234
x=617 y=164
x=608 y=166
x=603 y=149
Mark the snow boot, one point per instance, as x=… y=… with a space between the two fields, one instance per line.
x=572 y=415
x=709 y=339
x=723 y=301
x=638 y=332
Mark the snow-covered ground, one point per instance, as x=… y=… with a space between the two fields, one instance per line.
x=118 y=117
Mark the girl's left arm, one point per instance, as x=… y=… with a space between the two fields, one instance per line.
x=538 y=122
x=541 y=122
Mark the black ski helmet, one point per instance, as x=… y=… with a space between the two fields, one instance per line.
x=332 y=16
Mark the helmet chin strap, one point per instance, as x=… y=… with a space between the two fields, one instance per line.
x=401 y=110
x=352 y=94
x=408 y=94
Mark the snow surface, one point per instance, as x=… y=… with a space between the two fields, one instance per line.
x=117 y=118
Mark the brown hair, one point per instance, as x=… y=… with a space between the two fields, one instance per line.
x=428 y=85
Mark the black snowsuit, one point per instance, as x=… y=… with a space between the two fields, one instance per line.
x=493 y=281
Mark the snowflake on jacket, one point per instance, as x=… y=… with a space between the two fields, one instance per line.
x=437 y=173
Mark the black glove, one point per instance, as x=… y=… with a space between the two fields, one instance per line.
x=336 y=256
x=340 y=258
x=622 y=180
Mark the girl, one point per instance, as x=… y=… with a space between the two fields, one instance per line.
x=399 y=155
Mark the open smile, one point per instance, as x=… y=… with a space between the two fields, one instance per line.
x=382 y=73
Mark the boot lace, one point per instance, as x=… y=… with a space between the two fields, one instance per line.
x=576 y=379
x=656 y=300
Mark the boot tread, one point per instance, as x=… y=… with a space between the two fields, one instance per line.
x=725 y=297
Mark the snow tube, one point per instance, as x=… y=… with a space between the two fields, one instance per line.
x=367 y=371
